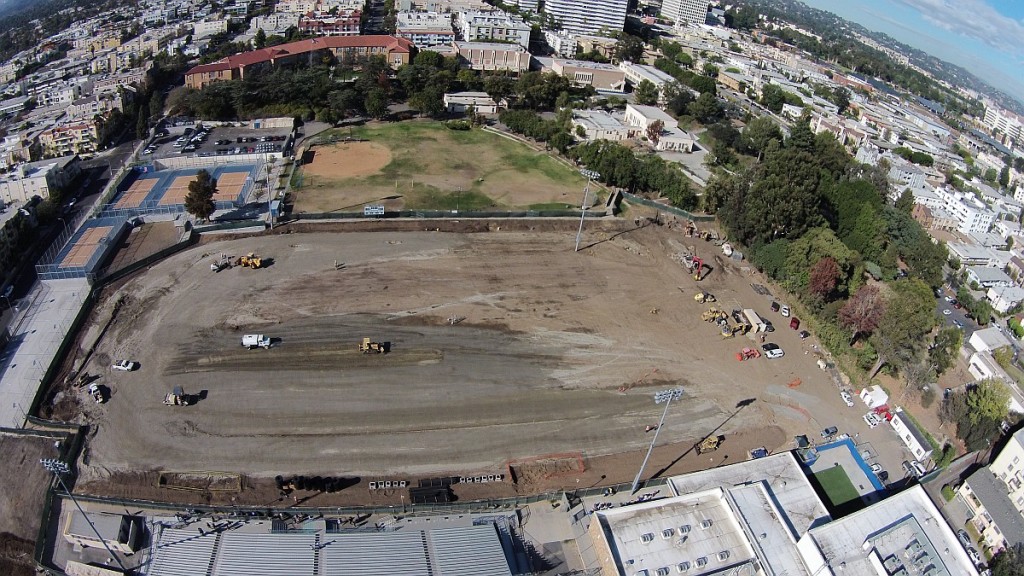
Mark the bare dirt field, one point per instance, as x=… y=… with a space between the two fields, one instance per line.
x=551 y=351
x=422 y=165
x=23 y=486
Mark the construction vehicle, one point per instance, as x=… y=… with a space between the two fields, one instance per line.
x=703 y=297
x=96 y=392
x=733 y=330
x=709 y=444
x=698 y=267
x=218 y=266
x=748 y=354
x=250 y=260
x=714 y=315
x=369 y=347
x=178 y=398
x=252 y=341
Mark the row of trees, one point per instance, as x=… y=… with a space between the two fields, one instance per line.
x=821 y=225
x=620 y=167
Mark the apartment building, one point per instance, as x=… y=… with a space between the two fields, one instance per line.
x=477 y=26
x=276 y=23
x=972 y=214
x=585 y=73
x=38 y=179
x=592 y=17
x=344 y=24
x=76 y=138
x=682 y=12
x=101 y=104
x=995 y=497
x=493 y=57
x=425 y=29
x=205 y=28
x=562 y=43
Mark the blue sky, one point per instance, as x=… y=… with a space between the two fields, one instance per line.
x=985 y=37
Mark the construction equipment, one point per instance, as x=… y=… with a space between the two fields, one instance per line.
x=709 y=444
x=218 y=266
x=748 y=354
x=96 y=392
x=727 y=330
x=698 y=267
x=251 y=341
x=703 y=297
x=735 y=329
x=178 y=398
x=250 y=260
x=368 y=347
x=714 y=315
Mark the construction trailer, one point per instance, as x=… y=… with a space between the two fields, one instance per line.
x=757 y=324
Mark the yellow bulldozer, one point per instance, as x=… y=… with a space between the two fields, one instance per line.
x=714 y=315
x=709 y=444
x=703 y=297
x=369 y=347
x=250 y=260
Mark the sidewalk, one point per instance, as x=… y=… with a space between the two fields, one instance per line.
x=43 y=319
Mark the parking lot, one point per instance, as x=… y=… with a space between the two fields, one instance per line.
x=176 y=141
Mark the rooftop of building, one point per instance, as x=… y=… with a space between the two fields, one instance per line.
x=905 y=529
x=302 y=47
x=496 y=46
x=919 y=436
x=989 y=274
x=653 y=113
x=992 y=493
x=598 y=119
x=565 y=62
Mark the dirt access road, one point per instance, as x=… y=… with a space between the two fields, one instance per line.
x=553 y=351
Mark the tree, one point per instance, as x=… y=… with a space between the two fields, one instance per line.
x=773 y=97
x=646 y=93
x=260 y=39
x=862 y=311
x=1009 y=562
x=199 y=200
x=561 y=141
x=706 y=108
x=141 y=126
x=376 y=103
x=654 y=131
x=991 y=175
x=988 y=401
x=905 y=203
x=910 y=315
x=944 y=350
x=841 y=98
x=759 y=132
x=629 y=48
x=824 y=275
x=1004 y=176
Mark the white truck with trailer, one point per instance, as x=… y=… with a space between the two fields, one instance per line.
x=756 y=322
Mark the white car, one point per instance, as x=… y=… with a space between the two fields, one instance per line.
x=847 y=398
x=125 y=365
x=772 y=351
x=947 y=312
x=784 y=311
x=872 y=419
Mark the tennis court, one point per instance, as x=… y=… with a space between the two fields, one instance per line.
x=149 y=190
x=136 y=194
x=85 y=247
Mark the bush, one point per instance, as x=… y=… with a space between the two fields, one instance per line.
x=947 y=492
x=457 y=125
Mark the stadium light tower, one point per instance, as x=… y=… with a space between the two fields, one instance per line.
x=59 y=468
x=591 y=176
x=666 y=396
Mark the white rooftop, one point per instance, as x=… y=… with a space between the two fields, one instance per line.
x=991 y=338
x=903 y=530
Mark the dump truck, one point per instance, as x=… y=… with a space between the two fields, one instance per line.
x=178 y=398
x=709 y=444
x=252 y=341
x=369 y=347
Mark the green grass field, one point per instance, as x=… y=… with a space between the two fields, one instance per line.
x=837 y=485
x=434 y=168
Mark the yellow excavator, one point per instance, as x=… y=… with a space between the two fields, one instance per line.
x=250 y=260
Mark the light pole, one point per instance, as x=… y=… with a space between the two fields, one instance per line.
x=58 y=467
x=591 y=175
x=666 y=396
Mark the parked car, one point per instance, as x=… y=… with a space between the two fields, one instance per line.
x=125 y=365
x=876 y=468
x=973 y=553
x=872 y=419
x=830 y=431
x=947 y=312
x=784 y=311
x=772 y=351
x=768 y=327
x=847 y=398
x=775 y=306
x=804 y=334
x=964 y=537
x=958 y=324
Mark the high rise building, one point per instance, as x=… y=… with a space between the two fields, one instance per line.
x=590 y=17
x=685 y=11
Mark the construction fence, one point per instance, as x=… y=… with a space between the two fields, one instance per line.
x=634 y=199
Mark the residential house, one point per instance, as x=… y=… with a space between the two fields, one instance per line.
x=988 y=277
x=76 y=138
x=993 y=514
x=1005 y=297
x=1008 y=466
x=988 y=339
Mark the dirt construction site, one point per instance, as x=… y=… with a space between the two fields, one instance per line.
x=501 y=346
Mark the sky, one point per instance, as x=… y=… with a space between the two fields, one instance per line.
x=985 y=37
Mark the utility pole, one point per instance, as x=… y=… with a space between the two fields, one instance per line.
x=666 y=396
x=58 y=468
x=591 y=175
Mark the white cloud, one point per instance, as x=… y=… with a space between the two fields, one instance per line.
x=973 y=19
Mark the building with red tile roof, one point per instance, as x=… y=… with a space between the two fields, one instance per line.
x=398 y=51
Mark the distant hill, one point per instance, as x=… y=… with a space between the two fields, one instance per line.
x=23 y=23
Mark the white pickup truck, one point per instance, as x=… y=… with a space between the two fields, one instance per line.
x=251 y=341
